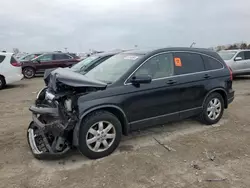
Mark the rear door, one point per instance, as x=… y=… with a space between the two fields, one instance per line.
x=62 y=60
x=191 y=79
x=44 y=62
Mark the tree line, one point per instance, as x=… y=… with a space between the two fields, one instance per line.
x=233 y=46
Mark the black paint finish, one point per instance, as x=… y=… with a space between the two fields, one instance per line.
x=164 y=99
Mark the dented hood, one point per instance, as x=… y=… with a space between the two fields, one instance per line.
x=65 y=76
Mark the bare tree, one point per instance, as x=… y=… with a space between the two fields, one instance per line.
x=243 y=46
x=16 y=50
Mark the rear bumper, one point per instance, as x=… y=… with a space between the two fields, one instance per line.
x=13 y=78
x=230 y=97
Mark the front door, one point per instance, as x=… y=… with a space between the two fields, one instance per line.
x=44 y=62
x=156 y=102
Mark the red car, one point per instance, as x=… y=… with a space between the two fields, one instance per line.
x=47 y=61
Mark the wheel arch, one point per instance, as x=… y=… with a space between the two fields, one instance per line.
x=2 y=76
x=221 y=91
x=117 y=111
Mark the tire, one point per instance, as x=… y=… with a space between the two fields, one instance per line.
x=207 y=116
x=29 y=72
x=2 y=82
x=91 y=122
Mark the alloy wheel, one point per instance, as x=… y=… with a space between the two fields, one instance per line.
x=28 y=72
x=214 y=109
x=100 y=136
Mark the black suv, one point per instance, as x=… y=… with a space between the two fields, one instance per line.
x=129 y=91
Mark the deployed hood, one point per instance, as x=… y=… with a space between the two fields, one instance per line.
x=53 y=77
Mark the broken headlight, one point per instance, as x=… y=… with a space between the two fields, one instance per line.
x=68 y=105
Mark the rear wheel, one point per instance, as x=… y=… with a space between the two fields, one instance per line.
x=213 y=109
x=2 y=82
x=99 y=135
x=29 y=72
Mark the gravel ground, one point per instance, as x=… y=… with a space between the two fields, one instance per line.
x=196 y=156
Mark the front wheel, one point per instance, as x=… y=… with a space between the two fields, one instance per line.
x=213 y=109
x=100 y=134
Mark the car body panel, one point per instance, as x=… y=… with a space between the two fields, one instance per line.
x=11 y=73
x=156 y=102
x=41 y=65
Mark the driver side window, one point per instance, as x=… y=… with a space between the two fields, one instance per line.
x=159 y=66
x=46 y=57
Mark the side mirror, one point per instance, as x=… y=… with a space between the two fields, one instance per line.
x=238 y=58
x=141 y=79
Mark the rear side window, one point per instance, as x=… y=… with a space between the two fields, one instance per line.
x=2 y=57
x=211 y=64
x=13 y=60
x=61 y=57
x=188 y=63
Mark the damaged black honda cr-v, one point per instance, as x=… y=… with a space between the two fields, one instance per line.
x=129 y=91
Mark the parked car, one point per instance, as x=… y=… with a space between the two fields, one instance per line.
x=47 y=61
x=237 y=60
x=10 y=69
x=129 y=91
x=92 y=61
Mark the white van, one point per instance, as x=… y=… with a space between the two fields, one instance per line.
x=10 y=69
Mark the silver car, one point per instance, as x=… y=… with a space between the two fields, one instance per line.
x=237 y=60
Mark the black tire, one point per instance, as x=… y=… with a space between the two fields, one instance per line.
x=88 y=122
x=29 y=72
x=204 y=118
x=2 y=82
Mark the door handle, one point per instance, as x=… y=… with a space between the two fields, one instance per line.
x=171 y=82
x=207 y=76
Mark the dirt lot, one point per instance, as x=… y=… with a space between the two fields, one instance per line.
x=195 y=153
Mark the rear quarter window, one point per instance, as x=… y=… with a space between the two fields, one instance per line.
x=2 y=57
x=211 y=63
x=186 y=63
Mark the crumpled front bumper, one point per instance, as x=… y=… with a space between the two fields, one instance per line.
x=41 y=126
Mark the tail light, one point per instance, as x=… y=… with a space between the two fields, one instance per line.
x=231 y=72
x=14 y=62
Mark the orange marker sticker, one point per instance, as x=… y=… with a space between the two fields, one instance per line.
x=177 y=62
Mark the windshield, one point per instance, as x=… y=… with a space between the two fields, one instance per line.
x=113 y=68
x=227 y=55
x=84 y=63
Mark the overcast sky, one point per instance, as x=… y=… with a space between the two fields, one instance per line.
x=34 y=25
